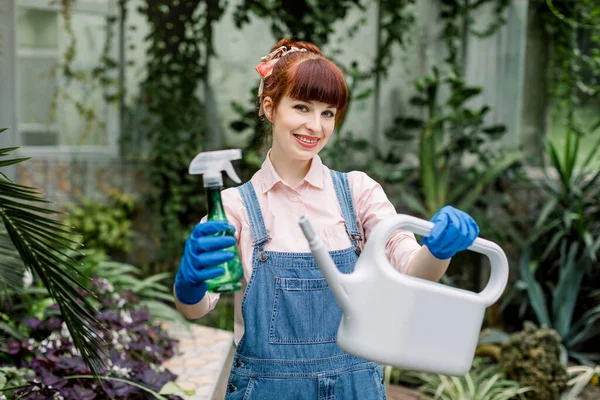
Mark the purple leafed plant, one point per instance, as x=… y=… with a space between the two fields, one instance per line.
x=138 y=347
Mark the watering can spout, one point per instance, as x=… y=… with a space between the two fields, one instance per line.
x=335 y=279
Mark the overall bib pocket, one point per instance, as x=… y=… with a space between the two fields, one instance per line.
x=304 y=311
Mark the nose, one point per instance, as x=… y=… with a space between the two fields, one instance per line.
x=313 y=122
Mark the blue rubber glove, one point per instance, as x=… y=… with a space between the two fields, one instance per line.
x=202 y=252
x=454 y=231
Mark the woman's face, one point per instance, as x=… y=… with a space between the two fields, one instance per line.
x=300 y=128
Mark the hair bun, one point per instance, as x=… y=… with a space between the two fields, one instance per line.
x=300 y=45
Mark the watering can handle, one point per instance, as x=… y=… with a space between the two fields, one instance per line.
x=499 y=263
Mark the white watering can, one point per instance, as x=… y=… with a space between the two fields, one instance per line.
x=404 y=321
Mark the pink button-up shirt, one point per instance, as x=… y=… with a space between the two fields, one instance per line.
x=314 y=197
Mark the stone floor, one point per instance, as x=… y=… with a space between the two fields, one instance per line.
x=201 y=360
x=203 y=356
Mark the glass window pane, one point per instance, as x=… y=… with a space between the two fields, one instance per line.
x=36 y=90
x=82 y=118
x=39 y=138
x=37 y=29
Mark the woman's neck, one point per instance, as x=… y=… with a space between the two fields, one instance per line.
x=291 y=171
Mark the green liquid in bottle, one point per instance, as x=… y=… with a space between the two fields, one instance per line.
x=229 y=282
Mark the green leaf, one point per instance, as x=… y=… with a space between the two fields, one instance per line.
x=471 y=189
x=494 y=130
x=163 y=312
x=172 y=388
x=13 y=161
x=552 y=244
x=418 y=101
x=566 y=292
x=363 y=95
x=11 y=331
x=546 y=211
x=427 y=159
x=534 y=290
x=555 y=160
x=38 y=309
x=413 y=203
x=409 y=123
x=493 y=336
x=239 y=126
x=582 y=327
x=463 y=95
x=150 y=281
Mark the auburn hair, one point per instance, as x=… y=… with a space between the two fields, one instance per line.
x=306 y=76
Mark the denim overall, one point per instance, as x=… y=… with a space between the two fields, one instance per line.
x=289 y=348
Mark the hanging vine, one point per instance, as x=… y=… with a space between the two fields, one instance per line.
x=175 y=126
x=97 y=78
x=575 y=52
x=457 y=19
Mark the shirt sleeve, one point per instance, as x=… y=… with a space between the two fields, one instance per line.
x=372 y=206
x=234 y=210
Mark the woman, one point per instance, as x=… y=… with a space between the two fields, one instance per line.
x=286 y=318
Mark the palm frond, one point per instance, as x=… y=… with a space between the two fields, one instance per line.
x=45 y=247
x=11 y=266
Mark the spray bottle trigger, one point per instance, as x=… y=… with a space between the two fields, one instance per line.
x=231 y=173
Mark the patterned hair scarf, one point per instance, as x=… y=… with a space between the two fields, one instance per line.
x=265 y=68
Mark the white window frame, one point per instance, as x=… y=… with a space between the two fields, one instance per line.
x=112 y=117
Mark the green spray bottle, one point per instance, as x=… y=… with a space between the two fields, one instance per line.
x=210 y=164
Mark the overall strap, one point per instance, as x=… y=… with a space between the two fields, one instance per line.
x=344 y=195
x=257 y=224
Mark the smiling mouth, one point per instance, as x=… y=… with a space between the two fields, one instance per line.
x=304 y=139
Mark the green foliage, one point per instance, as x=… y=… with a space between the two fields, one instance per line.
x=563 y=245
x=573 y=71
x=457 y=20
x=11 y=377
x=450 y=132
x=175 y=127
x=249 y=123
x=396 y=20
x=484 y=382
x=41 y=243
x=532 y=357
x=153 y=291
x=104 y=226
x=311 y=21
x=574 y=36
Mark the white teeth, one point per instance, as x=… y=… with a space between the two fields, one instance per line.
x=303 y=139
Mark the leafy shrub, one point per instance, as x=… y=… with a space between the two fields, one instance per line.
x=485 y=381
x=104 y=226
x=532 y=357
x=152 y=291
x=138 y=347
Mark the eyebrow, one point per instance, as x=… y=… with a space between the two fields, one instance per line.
x=312 y=101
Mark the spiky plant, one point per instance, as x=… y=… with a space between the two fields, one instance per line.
x=485 y=381
x=30 y=240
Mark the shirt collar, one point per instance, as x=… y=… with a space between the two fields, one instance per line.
x=270 y=178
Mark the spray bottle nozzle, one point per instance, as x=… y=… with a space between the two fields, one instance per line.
x=211 y=163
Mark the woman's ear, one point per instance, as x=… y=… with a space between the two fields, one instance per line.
x=267 y=105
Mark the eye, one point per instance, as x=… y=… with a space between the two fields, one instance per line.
x=330 y=114
x=301 y=107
